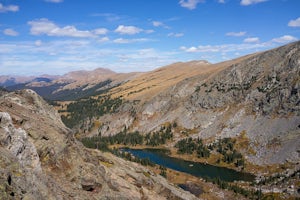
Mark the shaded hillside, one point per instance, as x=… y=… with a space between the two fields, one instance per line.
x=54 y=91
x=3 y=91
x=6 y=81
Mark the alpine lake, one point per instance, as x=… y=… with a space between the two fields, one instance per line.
x=202 y=170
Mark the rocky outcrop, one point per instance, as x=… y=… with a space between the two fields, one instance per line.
x=40 y=159
x=17 y=143
x=21 y=174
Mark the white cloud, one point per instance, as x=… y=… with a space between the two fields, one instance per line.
x=10 y=32
x=175 y=35
x=236 y=34
x=284 y=39
x=251 y=40
x=38 y=43
x=249 y=2
x=62 y=56
x=100 y=31
x=190 y=4
x=111 y=17
x=149 y=31
x=45 y=27
x=127 y=41
x=128 y=30
x=9 y=8
x=54 y=1
x=250 y=44
x=221 y=1
x=294 y=23
x=190 y=49
x=225 y=48
x=159 y=24
x=104 y=39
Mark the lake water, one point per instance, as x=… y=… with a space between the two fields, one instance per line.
x=194 y=168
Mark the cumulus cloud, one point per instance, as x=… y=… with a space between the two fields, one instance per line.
x=128 y=30
x=251 y=40
x=249 y=2
x=284 y=39
x=294 y=23
x=236 y=34
x=10 y=32
x=189 y=4
x=45 y=27
x=9 y=8
x=54 y=1
x=175 y=35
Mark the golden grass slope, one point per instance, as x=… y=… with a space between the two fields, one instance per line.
x=148 y=85
x=151 y=83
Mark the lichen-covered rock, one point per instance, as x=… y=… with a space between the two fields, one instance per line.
x=17 y=142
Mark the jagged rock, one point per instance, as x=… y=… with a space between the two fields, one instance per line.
x=17 y=142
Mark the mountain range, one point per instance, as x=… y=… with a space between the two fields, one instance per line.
x=254 y=100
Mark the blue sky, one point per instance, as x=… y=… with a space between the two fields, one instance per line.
x=57 y=36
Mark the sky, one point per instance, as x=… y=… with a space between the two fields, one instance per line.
x=57 y=36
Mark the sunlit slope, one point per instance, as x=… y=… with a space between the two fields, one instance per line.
x=151 y=83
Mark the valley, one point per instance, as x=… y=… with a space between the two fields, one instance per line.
x=241 y=117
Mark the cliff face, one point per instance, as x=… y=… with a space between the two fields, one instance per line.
x=40 y=159
x=256 y=96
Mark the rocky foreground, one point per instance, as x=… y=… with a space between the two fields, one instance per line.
x=40 y=159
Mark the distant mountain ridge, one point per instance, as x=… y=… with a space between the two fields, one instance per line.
x=9 y=80
x=71 y=86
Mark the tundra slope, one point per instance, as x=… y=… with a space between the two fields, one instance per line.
x=256 y=96
x=40 y=159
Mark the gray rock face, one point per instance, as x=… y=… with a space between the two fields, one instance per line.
x=40 y=159
x=17 y=143
x=20 y=168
